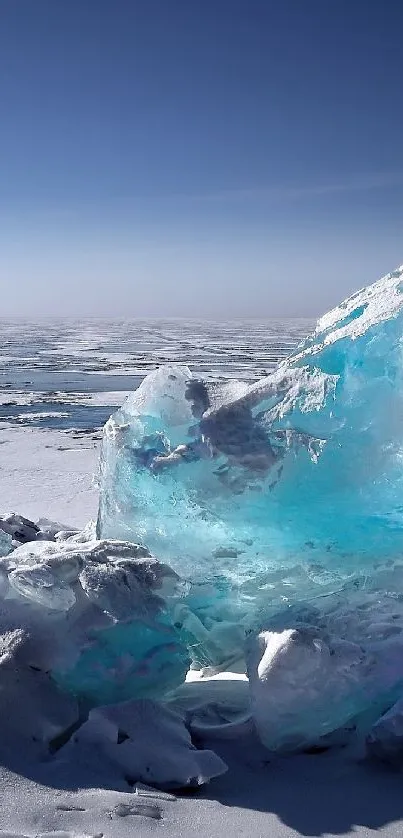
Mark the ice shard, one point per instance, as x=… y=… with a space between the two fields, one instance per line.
x=6 y=544
x=281 y=504
x=292 y=488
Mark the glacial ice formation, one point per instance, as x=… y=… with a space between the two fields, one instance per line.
x=289 y=491
x=280 y=505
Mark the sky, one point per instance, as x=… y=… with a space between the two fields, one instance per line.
x=198 y=158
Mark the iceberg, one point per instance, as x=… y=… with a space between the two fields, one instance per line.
x=280 y=507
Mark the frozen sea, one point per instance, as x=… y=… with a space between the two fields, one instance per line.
x=71 y=374
x=59 y=375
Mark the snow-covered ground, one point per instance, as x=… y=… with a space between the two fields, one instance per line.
x=51 y=474
x=257 y=798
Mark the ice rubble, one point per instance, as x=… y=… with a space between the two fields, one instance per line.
x=276 y=515
x=100 y=615
x=282 y=509
x=19 y=528
x=85 y=623
x=305 y=684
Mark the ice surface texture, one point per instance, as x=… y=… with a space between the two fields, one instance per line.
x=305 y=684
x=98 y=616
x=280 y=503
x=285 y=493
x=85 y=623
x=6 y=543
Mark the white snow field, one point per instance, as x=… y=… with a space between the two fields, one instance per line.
x=48 y=474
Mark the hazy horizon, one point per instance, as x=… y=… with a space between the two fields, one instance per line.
x=197 y=160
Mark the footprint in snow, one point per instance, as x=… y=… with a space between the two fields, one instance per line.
x=147 y=810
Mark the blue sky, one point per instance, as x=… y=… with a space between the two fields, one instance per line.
x=213 y=158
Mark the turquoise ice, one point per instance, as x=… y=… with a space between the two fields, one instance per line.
x=290 y=489
x=281 y=506
x=275 y=516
